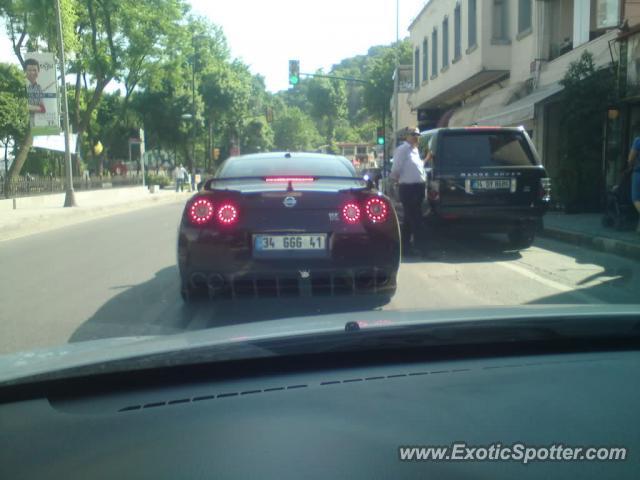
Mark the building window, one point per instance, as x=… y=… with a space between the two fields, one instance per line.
x=416 y=67
x=445 y=42
x=607 y=14
x=425 y=60
x=457 y=43
x=524 y=15
x=500 y=20
x=473 y=40
x=434 y=53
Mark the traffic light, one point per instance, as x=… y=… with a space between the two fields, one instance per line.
x=269 y=114
x=380 y=136
x=216 y=153
x=294 y=72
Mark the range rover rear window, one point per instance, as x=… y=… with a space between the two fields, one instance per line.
x=465 y=150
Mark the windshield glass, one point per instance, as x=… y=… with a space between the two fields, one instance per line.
x=164 y=173
x=496 y=149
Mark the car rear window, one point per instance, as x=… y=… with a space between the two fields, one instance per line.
x=264 y=167
x=483 y=149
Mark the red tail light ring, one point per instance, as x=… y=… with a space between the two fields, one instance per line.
x=351 y=213
x=377 y=210
x=201 y=211
x=227 y=214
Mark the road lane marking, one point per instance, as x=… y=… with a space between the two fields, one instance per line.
x=549 y=283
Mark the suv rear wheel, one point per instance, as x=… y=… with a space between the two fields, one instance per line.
x=522 y=237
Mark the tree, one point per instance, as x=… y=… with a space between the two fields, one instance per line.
x=587 y=94
x=328 y=104
x=379 y=90
x=295 y=131
x=14 y=122
x=257 y=136
x=28 y=25
x=121 y=40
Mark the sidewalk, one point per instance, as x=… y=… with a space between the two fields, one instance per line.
x=46 y=212
x=587 y=230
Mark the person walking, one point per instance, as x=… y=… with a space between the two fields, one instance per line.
x=634 y=166
x=408 y=171
x=179 y=174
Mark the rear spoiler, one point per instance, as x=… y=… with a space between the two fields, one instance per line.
x=209 y=183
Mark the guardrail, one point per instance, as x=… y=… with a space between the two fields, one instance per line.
x=25 y=187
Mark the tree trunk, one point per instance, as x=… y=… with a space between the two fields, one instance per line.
x=21 y=157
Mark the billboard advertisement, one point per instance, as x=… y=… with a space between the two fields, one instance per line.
x=42 y=93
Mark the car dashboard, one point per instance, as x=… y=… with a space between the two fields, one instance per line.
x=334 y=415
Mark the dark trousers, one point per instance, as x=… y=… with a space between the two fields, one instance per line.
x=412 y=196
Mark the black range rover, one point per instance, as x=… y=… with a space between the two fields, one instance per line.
x=489 y=179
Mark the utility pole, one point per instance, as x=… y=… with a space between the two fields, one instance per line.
x=396 y=83
x=69 y=197
x=193 y=109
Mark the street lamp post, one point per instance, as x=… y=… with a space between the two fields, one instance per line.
x=193 y=109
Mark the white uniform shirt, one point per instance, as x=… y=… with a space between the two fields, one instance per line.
x=407 y=165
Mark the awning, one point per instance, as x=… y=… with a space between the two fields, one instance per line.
x=521 y=110
x=464 y=116
x=469 y=113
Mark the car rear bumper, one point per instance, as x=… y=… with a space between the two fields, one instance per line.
x=225 y=265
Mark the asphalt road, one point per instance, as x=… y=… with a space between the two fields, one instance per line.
x=117 y=276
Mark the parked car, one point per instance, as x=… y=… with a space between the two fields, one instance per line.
x=483 y=179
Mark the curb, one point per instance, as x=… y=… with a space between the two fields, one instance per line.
x=45 y=223
x=602 y=244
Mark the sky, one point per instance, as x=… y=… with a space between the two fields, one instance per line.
x=266 y=34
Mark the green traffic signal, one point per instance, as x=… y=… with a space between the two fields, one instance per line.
x=380 y=140
x=380 y=135
x=294 y=72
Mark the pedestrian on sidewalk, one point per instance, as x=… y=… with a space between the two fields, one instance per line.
x=179 y=175
x=634 y=166
x=408 y=171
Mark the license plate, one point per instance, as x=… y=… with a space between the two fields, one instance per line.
x=267 y=243
x=490 y=184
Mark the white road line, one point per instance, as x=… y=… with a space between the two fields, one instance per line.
x=548 y=282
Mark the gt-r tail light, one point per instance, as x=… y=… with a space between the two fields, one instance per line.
x=351 y=213
x=227 y=214
x=377 y=210
x=201 y=211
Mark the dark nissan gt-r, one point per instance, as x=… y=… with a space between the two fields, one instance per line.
x=288 y=224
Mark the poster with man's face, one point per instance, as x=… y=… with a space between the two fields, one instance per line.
x=42 y=93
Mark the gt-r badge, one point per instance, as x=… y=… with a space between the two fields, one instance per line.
x=333 y=216
x=289 y=202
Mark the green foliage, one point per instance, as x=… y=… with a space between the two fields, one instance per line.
x=257 y=136
x=13 y=105
x=587 y=94
x=295 y=131
x=152 y=179
x=170 y=62
x=349 y=111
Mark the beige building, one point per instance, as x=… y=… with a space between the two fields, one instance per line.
x=500 y=62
